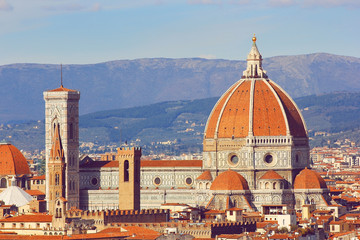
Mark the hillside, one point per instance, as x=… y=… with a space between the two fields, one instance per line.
x=128 y=83
x=183 y=122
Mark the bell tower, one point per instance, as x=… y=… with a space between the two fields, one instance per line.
x=62 y=129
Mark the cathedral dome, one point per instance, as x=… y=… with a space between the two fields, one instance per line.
x=255 y=106
x=12 y=161
x=229 y=180
x=309 y=179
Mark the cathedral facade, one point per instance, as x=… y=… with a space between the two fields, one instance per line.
x=255 y=153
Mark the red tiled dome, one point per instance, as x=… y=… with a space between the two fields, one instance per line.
x=271 y=174
x=12 y=161
x=229 y=180
x=273 y=112
x=309 y=179
x=254 y=105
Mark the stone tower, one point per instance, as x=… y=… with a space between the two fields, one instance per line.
x=62 y=113
x=129 y=178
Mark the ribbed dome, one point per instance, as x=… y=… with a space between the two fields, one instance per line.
x=12 y=161
x=14 y=195
x=309 y=179
x=229 y=180
x=255 y=106
x=271 y=175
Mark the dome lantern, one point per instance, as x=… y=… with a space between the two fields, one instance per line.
x=254 y=63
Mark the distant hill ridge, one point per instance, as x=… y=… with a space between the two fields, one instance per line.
x=128 y=83
x=184 y=122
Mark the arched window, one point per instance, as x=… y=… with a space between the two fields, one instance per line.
x=274 y=185
x=57 y=179
x=3 y=183
x=267 y=186
x=126 y=171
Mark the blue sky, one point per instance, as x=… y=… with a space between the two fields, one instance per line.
x=89 y=31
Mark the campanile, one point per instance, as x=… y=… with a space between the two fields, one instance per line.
x=62 y=118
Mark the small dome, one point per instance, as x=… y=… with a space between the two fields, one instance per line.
x=271 y=174
x=205 y=176
x=14 y=195
x=309 y=179
x=229 y=180
x=12 y=161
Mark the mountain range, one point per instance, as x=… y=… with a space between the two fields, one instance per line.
x=129 y=83
x=183 y=123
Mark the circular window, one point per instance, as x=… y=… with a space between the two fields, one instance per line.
x=234 y=159
x=157 y=181
x=188 y=181
x=94 y=181
x=269 y=159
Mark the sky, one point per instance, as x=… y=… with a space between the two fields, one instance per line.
x=90 y=31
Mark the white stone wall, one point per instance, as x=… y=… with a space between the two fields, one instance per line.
x=99 y=199
x=104 y=178
x=169 y=177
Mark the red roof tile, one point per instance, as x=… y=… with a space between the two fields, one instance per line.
x=29 y=218
x=229 y=180
x=271 y=174
x=12 y=161
x=34 y=192
x=42 y=177
x=309 y=179
x=62 y=89
x=205 y=176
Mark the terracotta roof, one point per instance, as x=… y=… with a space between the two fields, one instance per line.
x=309 y=179
x=100 y=164
x=12 y=161
x=171 y=163
x=30 y=237
x=61 y=89
x=34 y=192
x=205 y=176
x=234 y=209
x=229 y=180
x=271 y=109
x=271 y=174
x=42 y=177
x=29 y=218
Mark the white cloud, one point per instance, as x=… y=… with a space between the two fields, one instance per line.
x=332 y=3
x=218 y=2
x=96 y=7
x=5 y=6
x=281 y=3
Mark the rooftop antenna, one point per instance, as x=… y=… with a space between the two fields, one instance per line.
x=120 y=137
x=61 y=76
